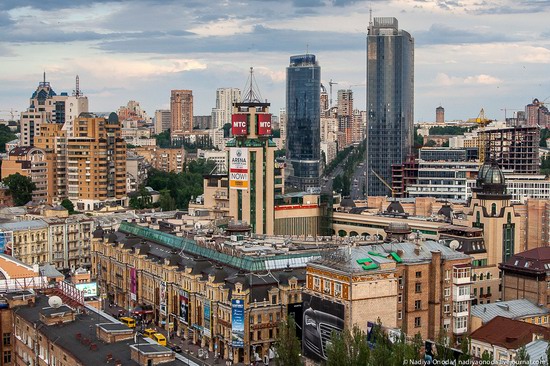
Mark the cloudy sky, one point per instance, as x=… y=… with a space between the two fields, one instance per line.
x=469 y=53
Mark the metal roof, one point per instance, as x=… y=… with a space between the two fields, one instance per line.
x=537 y=352
x=23 y=225
x=513 y=309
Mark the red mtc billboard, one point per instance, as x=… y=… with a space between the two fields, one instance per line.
x=264 y=124
x=238 y=124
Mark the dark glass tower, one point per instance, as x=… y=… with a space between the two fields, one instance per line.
x=390 y=101
x=303 y=106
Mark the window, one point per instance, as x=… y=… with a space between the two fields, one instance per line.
x=464 y=291
x=399 y=298
x=6 y=339
x=418 y=287
x=447 y=274
x=417 y=322
x=400 y=281
x=337 y=289
x=446 y=308
x=326 y=287
x=488 y=290
x=447 y=291
x=400 y=314
x=259 y=318
x=7 y=357
x=419 y=274
x=316 y=282
x=417 y=305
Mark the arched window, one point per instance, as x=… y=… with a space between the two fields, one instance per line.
x=474 y=277
x=509 y=218
x=494 y=209
x=481 y=276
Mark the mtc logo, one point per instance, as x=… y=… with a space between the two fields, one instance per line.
x=266 y=124
x=239 y=124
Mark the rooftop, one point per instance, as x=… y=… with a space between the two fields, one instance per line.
x=23 y=225
x=536 y=261
x=508 y=333
x=513 y=309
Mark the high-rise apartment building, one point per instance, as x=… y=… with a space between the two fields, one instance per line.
x=162 y=120
x=537 y=114
x=46 y=106
x=390 y=100
x=181 y=110
x=283 y=124
x=303 y=106
x=225 y=98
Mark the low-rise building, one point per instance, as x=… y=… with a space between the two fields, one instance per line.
x=521 y=309
x=502 y=337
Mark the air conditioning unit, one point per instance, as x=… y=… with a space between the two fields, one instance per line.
x=337 y=293
x=327 y=291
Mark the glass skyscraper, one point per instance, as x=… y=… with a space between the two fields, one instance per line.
x=303 y=106
x=390 y=101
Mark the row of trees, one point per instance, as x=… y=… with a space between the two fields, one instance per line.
x=342 y=182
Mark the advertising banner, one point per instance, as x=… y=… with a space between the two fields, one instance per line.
x=163 y=298
x=207 y=323
x=6 y=240
x=133 y=284
x=320 y=318
x=238 y=124
x=184 y=306
x=264 y=124
x=87 y=289
x=238 y=168
x=237 y=323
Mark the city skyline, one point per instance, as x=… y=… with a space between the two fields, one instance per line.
x=468 y=54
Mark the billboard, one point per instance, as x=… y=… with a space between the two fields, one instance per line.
x=206 y=308
x=238 y=168
x=238 y=124
x=87 y=289
x=162 y=298
x=264 y=124
x=133 y=284
x=184 y=306
x=295 y=310
x=6 y=241
x=320 y=318
x=237 y=323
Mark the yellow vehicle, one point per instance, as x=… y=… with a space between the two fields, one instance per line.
x=160 y=339
x=149 y=333
x=130 y=322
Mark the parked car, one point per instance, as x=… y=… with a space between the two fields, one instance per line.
x=176 y=349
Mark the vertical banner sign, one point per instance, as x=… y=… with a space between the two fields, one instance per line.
x=133 y=284
x=237 y=323
x=206 y=308
x=184 y=306
x=264 y=124
x=238 y=168
x=163 y=298
x=6 y=240
x=238 y=124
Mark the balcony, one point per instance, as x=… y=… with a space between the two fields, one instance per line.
x=462 y=281
x=461 y=330
x=461 y=293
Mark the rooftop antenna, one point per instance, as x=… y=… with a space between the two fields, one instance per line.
x=307 y=48
x=44 y=76
x=252 y=95
x=76 y=92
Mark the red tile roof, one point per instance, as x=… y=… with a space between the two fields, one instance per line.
x=509 y=333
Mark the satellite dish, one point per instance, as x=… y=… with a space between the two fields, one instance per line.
x=55 y=301
x=454 y=244
x=412 y=236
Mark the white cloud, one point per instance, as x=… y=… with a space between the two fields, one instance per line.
x=443 y=79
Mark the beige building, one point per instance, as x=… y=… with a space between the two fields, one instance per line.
x=29 y=162
x=162 y=120
x=167 y=160
x=196 y=290
x=27 y=241
x=181 y=112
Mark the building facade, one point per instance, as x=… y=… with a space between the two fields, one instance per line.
x=163 y=120
x=390 y=100
x=29 y=162
x=181 y=113
x=225 y=98
x=303 y=112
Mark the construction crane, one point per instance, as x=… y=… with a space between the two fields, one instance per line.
x=11 y=112
x=384 y=182
x=330 y=84
x=481 y=120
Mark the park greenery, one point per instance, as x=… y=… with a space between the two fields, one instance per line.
x=544 y=134
x=342 y=182
x=177 y=189
x=164 y=141
x=449 y=130
x=20 y=188
x=6 y=135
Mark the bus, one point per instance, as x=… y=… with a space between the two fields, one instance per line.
x=130 y=322
x=160 y=339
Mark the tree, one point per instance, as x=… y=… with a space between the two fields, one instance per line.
x=68 y=205
x=465 y=348
x=287 y=345
x=141 y=199
x=227 y=130
x=486 y=357
x=166 y=201
x=6 y=135
x=20 y=188
x=522 y=357
x=348 y=348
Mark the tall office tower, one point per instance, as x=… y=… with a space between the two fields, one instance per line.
x=181 y=110
x=303 y=106
x=440 y=115
x=390 y=101
x=324 y=102
x=162 y=120
x=225 y=98
x=254 y=179
x=47 y=106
